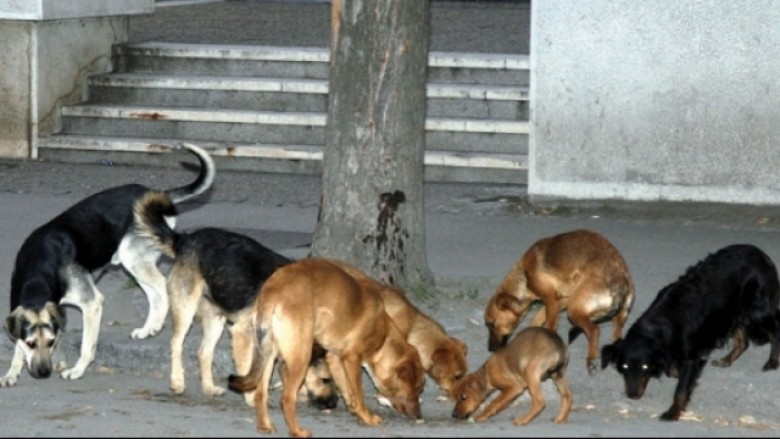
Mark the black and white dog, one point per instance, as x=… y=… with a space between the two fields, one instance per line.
x=54 y=268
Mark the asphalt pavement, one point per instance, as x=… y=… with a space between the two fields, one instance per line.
x=474 y=233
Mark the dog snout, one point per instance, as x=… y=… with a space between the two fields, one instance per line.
x=497 y=341
x=636 y=388
x=40 y=370
x=324 y=403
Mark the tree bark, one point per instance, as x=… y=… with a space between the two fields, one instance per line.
x=372 y=207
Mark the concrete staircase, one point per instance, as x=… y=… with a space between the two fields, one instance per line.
x=264 y=109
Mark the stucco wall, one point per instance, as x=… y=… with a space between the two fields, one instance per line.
x=674 y=100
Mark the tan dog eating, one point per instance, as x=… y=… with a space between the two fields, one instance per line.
x=534 y=355
x=580 y=272
x=314 y=301
x=443 y=357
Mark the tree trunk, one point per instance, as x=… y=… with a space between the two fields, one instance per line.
x=372 y=207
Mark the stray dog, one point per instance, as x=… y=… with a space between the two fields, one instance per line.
x=579 y=272
x=314 y=301
x=54 y=269
x=733 y=293
x=534 y=355
x=215 y=276
x=443 y=357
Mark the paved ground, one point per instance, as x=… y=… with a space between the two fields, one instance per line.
x=474 y=233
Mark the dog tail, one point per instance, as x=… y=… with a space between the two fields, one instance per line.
x=248 y=382
x=202 y=183
x=155 y=215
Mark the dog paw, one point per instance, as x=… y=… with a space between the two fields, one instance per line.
x=670 y=415
x=142 y=333
x=214 y=391
x=722 y=362
x=73 y=373
x=771 y=364
x=8 y=381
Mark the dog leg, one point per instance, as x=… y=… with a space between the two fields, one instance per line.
x=689 y=375
x=293 y=374
x=83 y=294
x=185 y=294
x=242 y=340
x=339 y=376
x=540 y=317
x=740 y=345
x=135 y=256
x=562 y=384
x=266 y=355
x=580 y=311
x=352 y=368
x=773 y=362
x=505 y=397
x=17 y=364
x=213 y=326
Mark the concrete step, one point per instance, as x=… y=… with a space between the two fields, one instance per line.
x=307 y=128
x=292 y=94
x=304 y=62
x=265 y=108
x=440 y=165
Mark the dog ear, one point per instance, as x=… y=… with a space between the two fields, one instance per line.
x=462 y=346
x=57 y=316
x=609 y=353
x=506 y=302
x=13 y=324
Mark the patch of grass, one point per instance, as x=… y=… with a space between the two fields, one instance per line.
x=423 y=293
x=471 y=293
x=130 y=284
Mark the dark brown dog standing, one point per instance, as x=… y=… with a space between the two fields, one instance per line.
x=580 y=272
x=733 y=293
x=534 y=355
x=314 y=301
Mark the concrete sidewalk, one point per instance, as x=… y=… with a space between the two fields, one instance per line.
x=474 y=234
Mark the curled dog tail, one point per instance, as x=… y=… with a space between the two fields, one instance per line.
x=155 y=217
x=204 y=180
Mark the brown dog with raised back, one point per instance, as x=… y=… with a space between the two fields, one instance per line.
x=533 y=356
x=443 y=356
x=580 y=272
x=314 y=301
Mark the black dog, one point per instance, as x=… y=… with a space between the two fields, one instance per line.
x=55 y=263
x=733 y=293
x=216 y=276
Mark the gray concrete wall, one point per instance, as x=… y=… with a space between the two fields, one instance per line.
x=655 y=100
x=46 y=54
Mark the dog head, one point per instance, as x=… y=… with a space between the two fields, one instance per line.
x=320 y=388
x=469 y=393
x=36 y=333
x=449 y=364
x=638 y=357
x=502 y=315
x=400 y=379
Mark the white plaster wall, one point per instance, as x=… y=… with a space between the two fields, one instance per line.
x=14 y=90
x=662 y=99
x=58 y=9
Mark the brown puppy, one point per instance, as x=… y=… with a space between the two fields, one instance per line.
x=534 y=355
x=579 y=272
x=314 y=301
x=443 y=357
